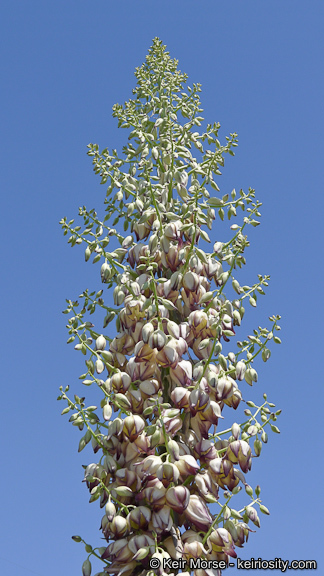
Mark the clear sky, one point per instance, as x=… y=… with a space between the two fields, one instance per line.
x=63 y=65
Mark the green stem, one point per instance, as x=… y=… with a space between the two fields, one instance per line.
x=156 y=301
x=216 y=519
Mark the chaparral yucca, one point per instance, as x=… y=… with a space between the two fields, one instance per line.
x=166 y=468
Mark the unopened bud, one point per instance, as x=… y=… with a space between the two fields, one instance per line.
x=101 y=343
x=155 y=154
x=105 y=272
x=257 y=446
x=86 y=568
x=110 y=510
x=141 y=554
x=264 y=509
x=99 y=366
x=240 y=369
x=251 y=376
x=236 y=430
x=107 y=411
x=249 y=490
x=173 y=449
x=264 y=437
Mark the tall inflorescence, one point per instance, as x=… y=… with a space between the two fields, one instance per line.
x=164 y=473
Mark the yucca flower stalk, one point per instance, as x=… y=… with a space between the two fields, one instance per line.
x=166 y=468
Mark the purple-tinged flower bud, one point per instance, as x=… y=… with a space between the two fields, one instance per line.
x=128 y=478
x=104 y=526
x=123 y=491
x=141 y=554
x=251 y=376
x=198 y=401
x=202 y=348
x=110 y=464
x=206 y=450
x=172 y=230
x=147 y=330
x=173 y=329
x=191 y=535
x=218 y=247
x=236 y=430
x=154 y=495
x=187 y=465
x=224 y=388
x=139 y=517
x=141 y=230
x=168 y=356
x=157 y=340
x=199 y=321
x=92 y=474
x=180 y=397
x=178 y=498
x=167 y=473
x=118 y=527
x=173 y=449
x=165 y=244
x=213 y=268
x=212 y=412
x=220 y=540
x=252 y=515
x=242 y=530
x=171 y=259
x=114 y=549
x=197 y=513
x=240 y=369
x=136 y=400
x=150 y=464
x=234 y=400
x=200 y=426
x=174 y=547
x=144 y=353
x=182 y=373
x=120 y=382
x=149 y=388
x=193 y=550
x=162 y=520
x=133 y=426
x=115 y=427
x=140 y=541
x=105 y=272
x=223 y=472
x=191 y=281
x=239 y=451
x=264 y=437
x=161 y=557
x=172 y=424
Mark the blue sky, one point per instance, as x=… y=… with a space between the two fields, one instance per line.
x=63 y=66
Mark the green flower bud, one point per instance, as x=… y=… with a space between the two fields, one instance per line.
x=86 y=568
x=257 y=490
x=264 y=510
x=257 y=446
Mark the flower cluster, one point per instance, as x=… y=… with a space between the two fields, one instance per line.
x=165 y=378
